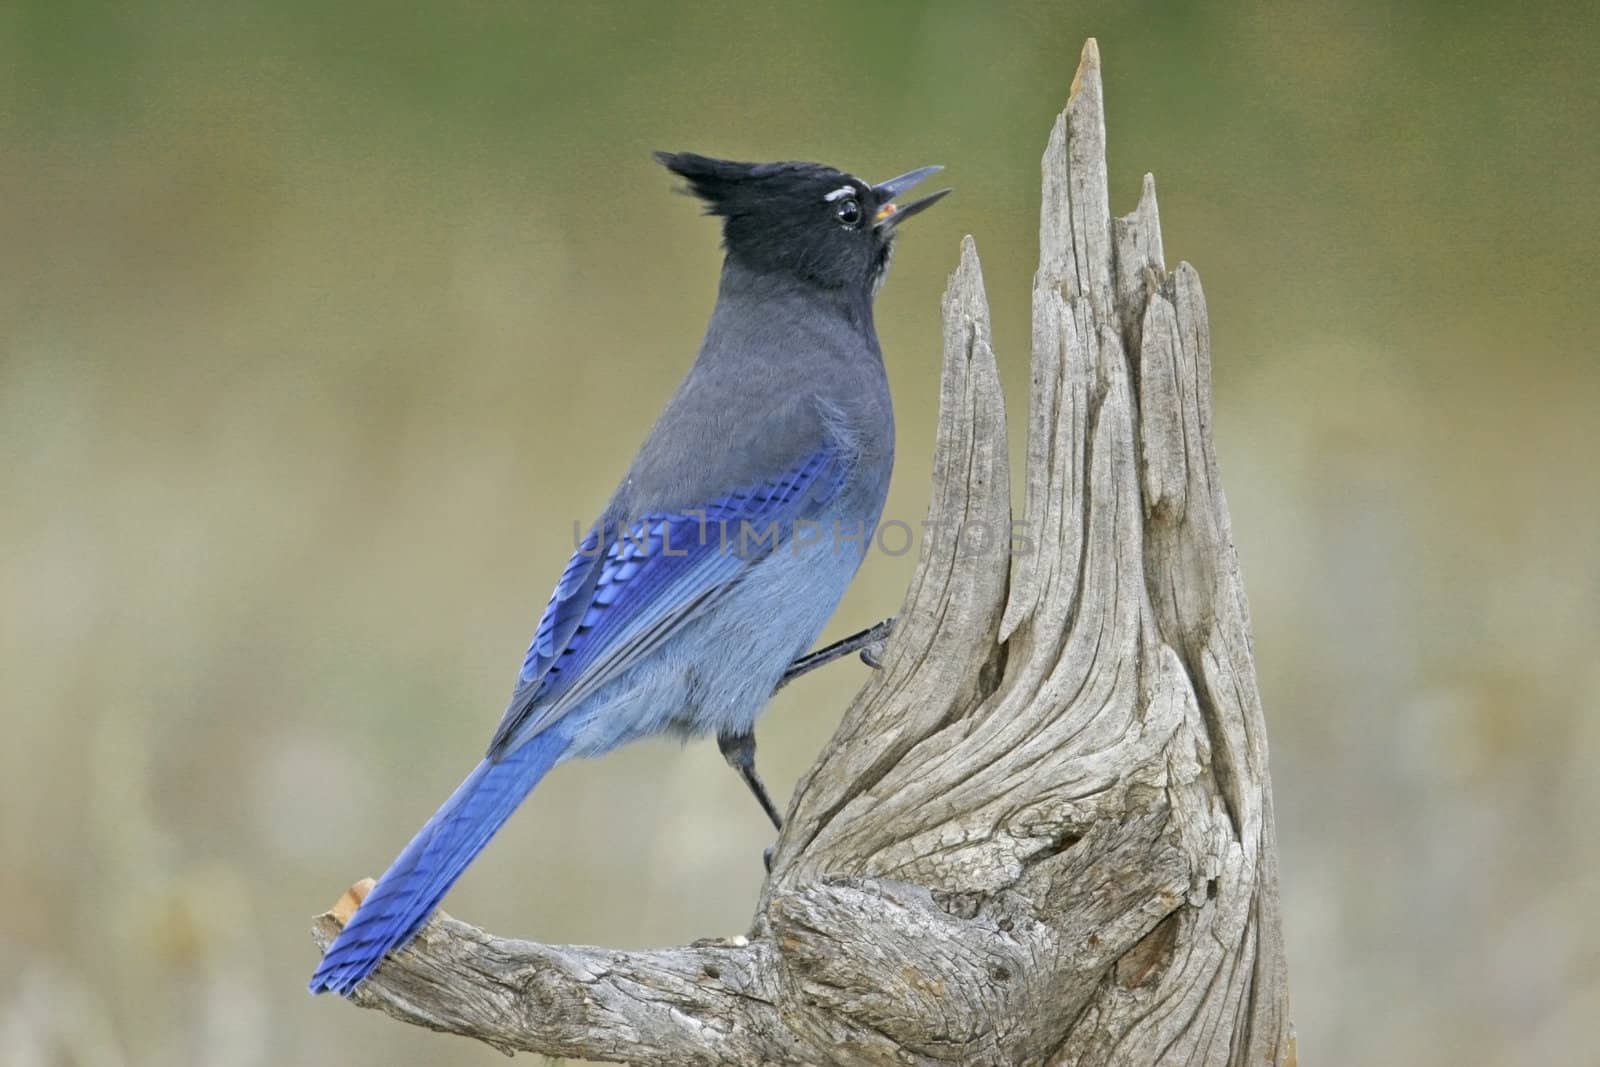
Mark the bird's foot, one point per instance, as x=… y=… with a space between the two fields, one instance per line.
x=869 y=642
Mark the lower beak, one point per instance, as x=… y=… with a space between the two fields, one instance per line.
x=892 y=213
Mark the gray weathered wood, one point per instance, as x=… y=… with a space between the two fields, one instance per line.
x=1043 y=833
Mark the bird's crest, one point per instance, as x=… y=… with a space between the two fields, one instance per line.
x=729 y=187
x=808 y=220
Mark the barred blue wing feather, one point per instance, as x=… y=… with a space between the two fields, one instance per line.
x=568 y=604
x=630 y=585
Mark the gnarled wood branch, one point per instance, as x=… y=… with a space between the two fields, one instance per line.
x=1043 y=833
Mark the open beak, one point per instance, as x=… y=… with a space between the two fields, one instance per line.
x=893 y=214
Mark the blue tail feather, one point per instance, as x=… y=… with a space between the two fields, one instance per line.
x=413 y=885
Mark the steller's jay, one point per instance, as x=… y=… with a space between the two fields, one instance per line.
x=730 y=540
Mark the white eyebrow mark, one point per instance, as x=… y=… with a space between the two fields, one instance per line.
x=842 y=191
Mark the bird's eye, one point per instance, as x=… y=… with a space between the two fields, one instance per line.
x=848 y=212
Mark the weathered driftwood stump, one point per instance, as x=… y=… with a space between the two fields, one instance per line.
x=1043 y=833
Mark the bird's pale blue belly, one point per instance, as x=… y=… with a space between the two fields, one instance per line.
x=716 y=674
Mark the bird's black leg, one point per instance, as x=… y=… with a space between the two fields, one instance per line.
x=740 y=752
x=865 y=642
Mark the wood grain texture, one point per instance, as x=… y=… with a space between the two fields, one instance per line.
x=1043 y=832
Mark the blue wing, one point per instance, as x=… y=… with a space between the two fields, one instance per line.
x=628 y=589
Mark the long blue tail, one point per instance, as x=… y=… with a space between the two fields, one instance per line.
x=413 y=885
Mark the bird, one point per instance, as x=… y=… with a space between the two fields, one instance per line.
x=727 y=545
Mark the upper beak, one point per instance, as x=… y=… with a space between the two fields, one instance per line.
x=893 y=214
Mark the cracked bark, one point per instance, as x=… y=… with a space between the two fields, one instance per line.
x=1043 y=833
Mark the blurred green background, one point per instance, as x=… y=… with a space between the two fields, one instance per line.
x=321 y=324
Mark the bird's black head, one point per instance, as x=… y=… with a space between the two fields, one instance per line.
x=813 y=222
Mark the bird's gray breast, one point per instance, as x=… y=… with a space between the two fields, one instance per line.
x=759 y=400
